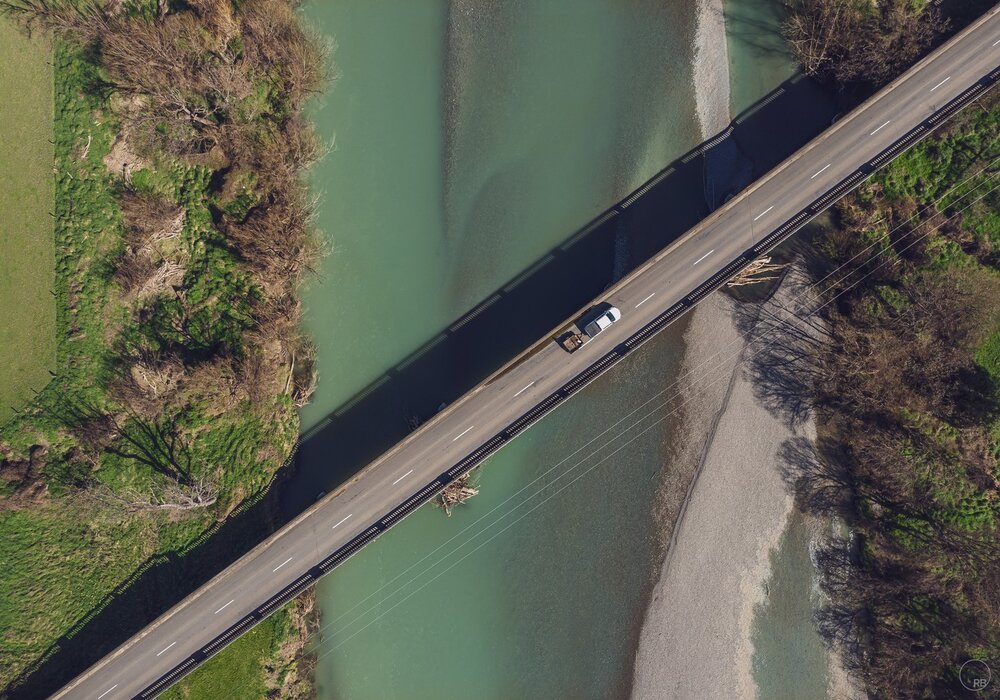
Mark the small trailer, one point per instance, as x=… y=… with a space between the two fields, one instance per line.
x=571 y=341
x=593 y=322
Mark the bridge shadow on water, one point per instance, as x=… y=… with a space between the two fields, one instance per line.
x=556 y=286
x=452 y=363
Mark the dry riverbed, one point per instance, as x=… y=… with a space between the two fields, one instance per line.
x=696 y=639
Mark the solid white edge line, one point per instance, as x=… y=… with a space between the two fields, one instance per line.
x=224 y=607
x=107 y=691
x=462 y=433
x=341 y=522
x=703 y=257
x=164 y=649
x=880 y=128
x=763 y=212
x=645 y=300
x=941 y=83
x=530 y=384
x=402 y=477
x=820 y=170
x=281 y=564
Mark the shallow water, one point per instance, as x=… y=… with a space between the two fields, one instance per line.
x=469 y=141
x=381 y=189
x=471 y=137
x=535 y=587
x=789 y=659
x=759 y=58
x=528 y=133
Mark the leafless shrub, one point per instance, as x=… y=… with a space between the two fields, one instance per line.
x=854 y=41
x=79 y=19
x=149 y=218
x=132 y=271
x=220 y=84
x=148 y=380
x=275 y=240
x=170 y=496
x=303 y=373
x=217 y=381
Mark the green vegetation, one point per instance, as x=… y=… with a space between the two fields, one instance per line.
x=27 y=311
x=182 y=231
x=236 y=671
x=905 y=375
x=906 y=384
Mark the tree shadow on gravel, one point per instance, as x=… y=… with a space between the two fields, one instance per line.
x=786 y=335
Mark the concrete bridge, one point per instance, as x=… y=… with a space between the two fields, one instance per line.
x=544 y=376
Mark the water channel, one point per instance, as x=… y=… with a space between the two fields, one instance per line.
x=469 y=138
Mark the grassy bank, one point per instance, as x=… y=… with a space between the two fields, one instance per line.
x=265 y=662
x=906 y=383
x=27 y=310
x=180 y=234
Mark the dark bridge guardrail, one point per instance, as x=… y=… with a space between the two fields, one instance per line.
x=573 y=386
x=569 y=275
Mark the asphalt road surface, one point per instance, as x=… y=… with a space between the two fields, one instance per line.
x=506 y=403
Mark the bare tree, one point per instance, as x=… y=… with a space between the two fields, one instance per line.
x=852 y=41
x=170 y=496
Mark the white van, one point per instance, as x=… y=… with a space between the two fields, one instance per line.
x=611 y=315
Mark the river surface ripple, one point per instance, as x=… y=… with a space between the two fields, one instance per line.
x=470 y=138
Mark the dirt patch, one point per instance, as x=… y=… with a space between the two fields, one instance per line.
x=122 y=160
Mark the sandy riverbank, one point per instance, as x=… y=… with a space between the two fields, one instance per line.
x=696 y=639
x=711 y=68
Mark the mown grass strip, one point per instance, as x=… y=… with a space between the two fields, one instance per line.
x=27 y=251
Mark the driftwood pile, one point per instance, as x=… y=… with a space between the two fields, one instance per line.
x=760 y=270
x=456 y=493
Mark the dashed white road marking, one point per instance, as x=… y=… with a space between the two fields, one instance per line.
x=646 y=299
x=341 y=522
x=763 y=212
x=281 y=564
x=223 y=607
x=107 y=691
x=996 y=42
x=402 y=477
x=704 y=256
x=164 y=649
x=529 y=385
x=462 y=433
x=941 y=83
x=880 y=128
x=820 y=170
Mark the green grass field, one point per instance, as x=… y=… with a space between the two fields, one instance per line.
x=236 y=671
x=63 y=554
x=27 y=254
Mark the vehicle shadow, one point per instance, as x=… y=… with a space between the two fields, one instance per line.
x=451 y=363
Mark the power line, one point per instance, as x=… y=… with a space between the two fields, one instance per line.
x=794 y=315
x=671 y=386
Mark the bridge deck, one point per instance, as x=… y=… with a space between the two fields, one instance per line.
x=507 y=403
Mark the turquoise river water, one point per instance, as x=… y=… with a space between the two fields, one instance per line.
x=468 y=138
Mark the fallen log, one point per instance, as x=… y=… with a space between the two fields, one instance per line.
x=760 y=270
